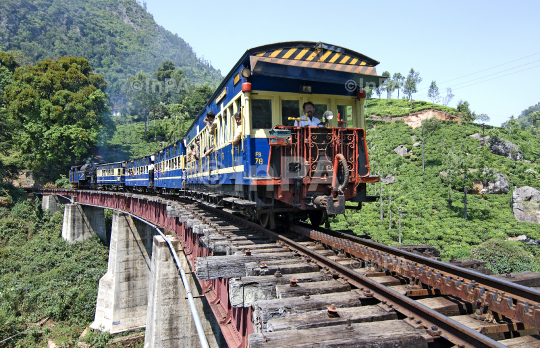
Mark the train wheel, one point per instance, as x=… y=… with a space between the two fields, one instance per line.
x=267 y=220
x=317 y=217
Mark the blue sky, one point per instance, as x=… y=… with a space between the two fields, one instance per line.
x=444 y=41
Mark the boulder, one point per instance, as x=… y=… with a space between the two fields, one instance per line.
x=505 y=148
x=526 y=204
x=498 y=185
x=416 y=144
x=390 y=179
x=476 y=136
x=401 y=150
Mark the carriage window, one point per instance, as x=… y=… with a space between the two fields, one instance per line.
x=289 y=108
x=261 y=113
x=345 y=113
x=320 y=109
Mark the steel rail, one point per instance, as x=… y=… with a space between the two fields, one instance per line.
x=500 y=284
x=418 y=315
x=451 y=330
x=514 y=301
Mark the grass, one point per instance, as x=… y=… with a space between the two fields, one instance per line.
x=427 y=217
x=400 y=107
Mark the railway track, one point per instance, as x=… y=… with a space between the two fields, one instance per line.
x=313 y=287
x=340 y=290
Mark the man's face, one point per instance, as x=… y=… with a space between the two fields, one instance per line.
x=238 y=121
x=211 y=119
x=309 y=110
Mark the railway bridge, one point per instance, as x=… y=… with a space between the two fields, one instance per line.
x=196 y=275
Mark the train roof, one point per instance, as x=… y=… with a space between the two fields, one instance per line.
x=282 y=58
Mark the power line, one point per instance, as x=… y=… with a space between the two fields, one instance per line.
x=493 y=67
x=483 y=77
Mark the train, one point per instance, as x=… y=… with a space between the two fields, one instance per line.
x=282 y=136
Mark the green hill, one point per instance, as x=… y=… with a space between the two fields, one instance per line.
x=427 y=217
x=401 y=107
x=118 y=37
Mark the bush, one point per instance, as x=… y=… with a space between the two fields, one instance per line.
x=505 y=256
x=63 y=182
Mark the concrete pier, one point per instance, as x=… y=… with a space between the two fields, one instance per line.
x=50 y=203
x=81 y=222
x=123 y=291
x=169 y=321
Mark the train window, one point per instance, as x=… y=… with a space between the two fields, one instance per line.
x=320 y=109
x=345 y=112
x=261 y=113
x=289 y=108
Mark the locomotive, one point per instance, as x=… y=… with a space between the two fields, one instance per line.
x=274 y=167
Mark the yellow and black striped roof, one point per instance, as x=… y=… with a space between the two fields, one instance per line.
x=313 y=52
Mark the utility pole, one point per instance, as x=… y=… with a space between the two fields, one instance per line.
x=400 y=206
x=382 y=213
x=390 y=211
x=483 y=134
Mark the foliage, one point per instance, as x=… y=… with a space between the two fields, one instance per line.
x=433 y=92
x=428 y=218
x=398 y=80
x=411 y=84
x=42 y=276
x=97 y=339
x=118 y=37
x=401 y=107
x=63 y=182
x=60 y=106
x=504 y=256
x=464 y=110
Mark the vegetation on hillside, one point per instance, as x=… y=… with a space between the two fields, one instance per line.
x=118 y=37
x=44 y=277
x=427 y=217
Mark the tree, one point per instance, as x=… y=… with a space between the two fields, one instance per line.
x=197 y=99
x=433 y=92
x=389 y=86
x=411 y=84
x=534 y=118
x=142 y=98
x=447 y=99
x=464 y=111
x=60 y=105
x=482 y=117
x=429 y=127
x=398 y=80
x=165 y=70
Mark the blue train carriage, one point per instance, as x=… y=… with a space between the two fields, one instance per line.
x=278 y=168
x=170 y=164
x=137 y=176
x=111 y=176
x=83 y=176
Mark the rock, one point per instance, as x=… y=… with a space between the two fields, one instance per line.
x=476 y=136
x=401 y=150
x=522 y=237
x=416 y=144
x=526 y=204
x=498 y=185
x=505 y=148
x=390 y=179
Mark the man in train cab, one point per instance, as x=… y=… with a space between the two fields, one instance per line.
x=238 y=133
x=312 y=121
